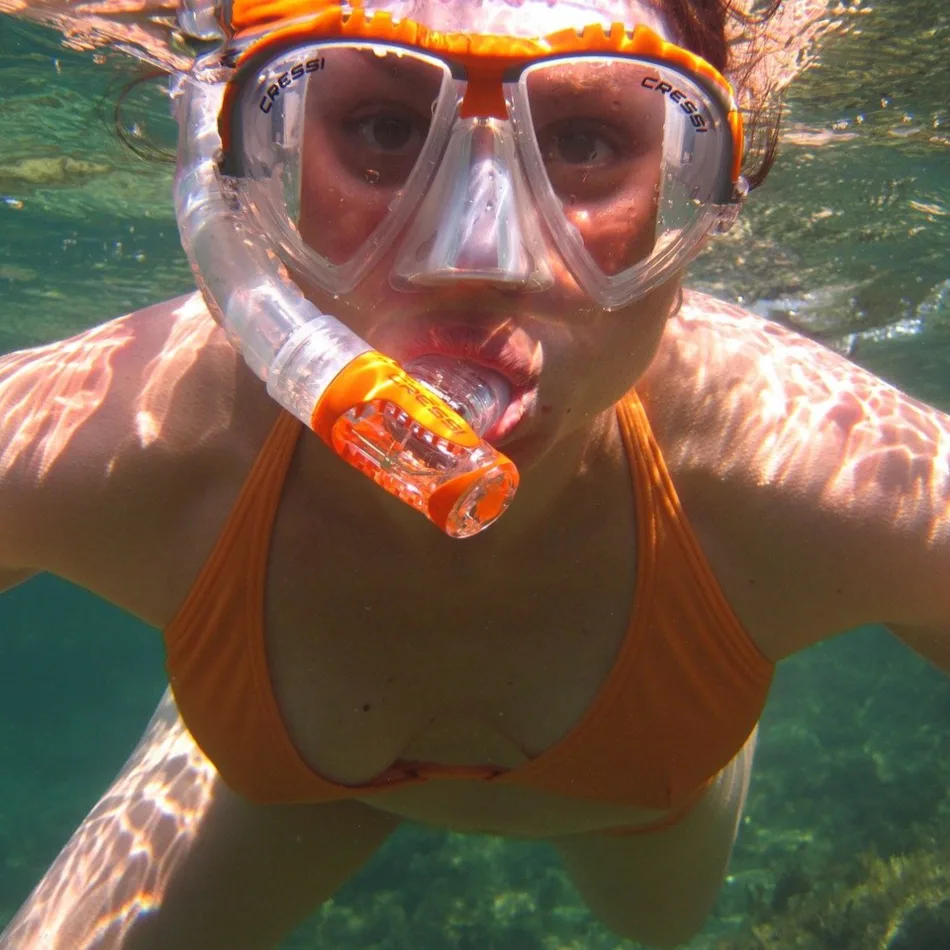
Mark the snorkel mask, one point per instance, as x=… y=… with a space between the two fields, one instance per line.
x=316 y=139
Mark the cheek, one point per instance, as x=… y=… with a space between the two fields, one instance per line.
x=622 y=232
x=627 y=340
x=596 y=356
x=338 y=211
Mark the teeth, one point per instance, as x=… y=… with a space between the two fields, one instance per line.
x=512 y=415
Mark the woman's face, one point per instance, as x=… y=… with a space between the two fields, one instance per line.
x=600 y=139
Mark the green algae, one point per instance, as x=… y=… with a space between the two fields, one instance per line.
x=898 y=903
x=60 y=171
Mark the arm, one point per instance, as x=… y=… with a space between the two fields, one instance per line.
x=17 y=480
x=887 y=497
x=898 y=474
x=888 y=494
x=834 y=485
x=110 y=442
x=53 y=446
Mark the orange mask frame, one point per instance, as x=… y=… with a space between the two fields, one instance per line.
x=486 y=58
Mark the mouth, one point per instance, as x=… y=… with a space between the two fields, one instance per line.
x=506 y=350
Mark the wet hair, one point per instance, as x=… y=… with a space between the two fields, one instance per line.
x=701 y=26
x=141 y=144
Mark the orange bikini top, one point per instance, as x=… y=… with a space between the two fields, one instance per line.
x=685 y=692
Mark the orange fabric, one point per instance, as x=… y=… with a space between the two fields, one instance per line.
x=684 y=694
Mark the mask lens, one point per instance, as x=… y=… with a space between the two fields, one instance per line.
x=631 y=157
x=335 y=147
x=330 y=138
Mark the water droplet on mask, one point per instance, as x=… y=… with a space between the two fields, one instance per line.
x=371 y=175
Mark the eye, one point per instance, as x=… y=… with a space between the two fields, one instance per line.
x=578 y=144
x=389 y=132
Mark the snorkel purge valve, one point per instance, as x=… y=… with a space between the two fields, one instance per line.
x=410 y=437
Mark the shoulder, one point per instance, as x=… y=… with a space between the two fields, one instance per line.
x=107 y=390
x=755 y=402
x=747 y=375
x=812 y=483
x=111 y=429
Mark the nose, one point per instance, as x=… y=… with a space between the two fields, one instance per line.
x=477 y=222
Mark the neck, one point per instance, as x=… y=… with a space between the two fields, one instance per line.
x=561 y=500
x=569 y=474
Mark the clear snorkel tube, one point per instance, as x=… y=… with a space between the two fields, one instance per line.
x=418 y=436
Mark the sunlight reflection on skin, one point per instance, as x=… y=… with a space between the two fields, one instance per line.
x=49 y=392
x=783 y=390
x=118 y=864
x=190 y=332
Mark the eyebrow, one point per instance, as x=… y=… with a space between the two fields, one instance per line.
x=402 y=61
x=584 y=81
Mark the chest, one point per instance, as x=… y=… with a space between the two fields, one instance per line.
x=375 y=650
x=374 y=658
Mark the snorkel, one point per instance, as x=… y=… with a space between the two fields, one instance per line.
x=467 y=199
x=417 y=434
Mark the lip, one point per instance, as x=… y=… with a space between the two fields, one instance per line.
x=518 y=407
x=505 y=349
x=483 y=339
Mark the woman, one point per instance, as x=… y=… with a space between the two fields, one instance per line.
x=701 y=493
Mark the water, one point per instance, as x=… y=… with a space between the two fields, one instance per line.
x=849 y=240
